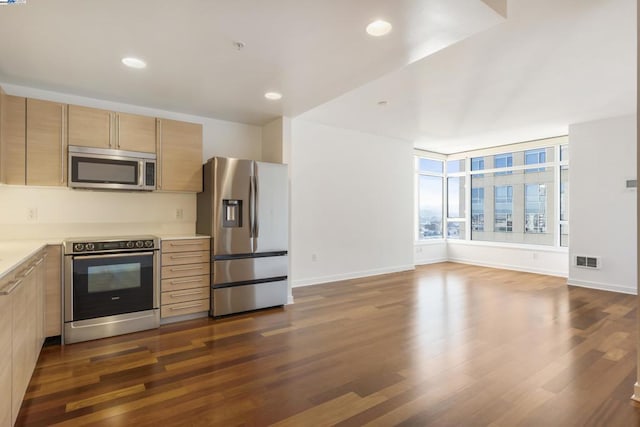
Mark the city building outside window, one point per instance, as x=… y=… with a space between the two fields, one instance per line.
x=503 y=210
x=430 y=198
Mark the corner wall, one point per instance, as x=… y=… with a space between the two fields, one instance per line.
x=602 y=212
x=349 y=197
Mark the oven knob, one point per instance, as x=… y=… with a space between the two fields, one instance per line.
x=148 y=243
x=78 y=247
x=139 y=244
x=130 y=244
x=90 y=246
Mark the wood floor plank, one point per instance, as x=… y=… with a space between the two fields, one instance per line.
x=445 y=344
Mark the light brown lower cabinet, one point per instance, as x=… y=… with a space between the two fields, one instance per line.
x=22 y=333
x=53 y=291
x=6 y=337
x=185 y=277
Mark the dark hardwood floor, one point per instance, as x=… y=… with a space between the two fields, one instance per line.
x=445 y=345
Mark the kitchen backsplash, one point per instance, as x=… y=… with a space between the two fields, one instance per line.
x=49 y=212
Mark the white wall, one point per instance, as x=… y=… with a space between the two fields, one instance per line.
x=430 y=252
x=350 y=194
x=67 y=213
x=602 y=212
x=532 y=259
x=51 y=212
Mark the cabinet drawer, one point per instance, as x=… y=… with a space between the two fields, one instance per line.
x=185 y=245
x=180 y=283
x=184 y=308
x=171 y=271
x=177 y=258
x=174 y=297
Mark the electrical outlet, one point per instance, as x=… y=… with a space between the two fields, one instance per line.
x=179 y=213
x=314 y=257
x=32 y=214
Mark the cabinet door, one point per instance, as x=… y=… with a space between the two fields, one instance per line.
x=135 y=133
x=90 y=127
x=40 y=300
x=12 y=139
x=53 y=291
x=23 y=336
x=180 y=156
x=46 y=143
x=5 y=360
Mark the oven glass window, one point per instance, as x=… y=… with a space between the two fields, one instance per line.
x=110 y=285
x=104 y=278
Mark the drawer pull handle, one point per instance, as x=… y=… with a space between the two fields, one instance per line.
x=180 y=282
x=184 y=294
x=11 y=287
x=199 y=267
x=186 y=256
x=186 y=307
x=186 y=244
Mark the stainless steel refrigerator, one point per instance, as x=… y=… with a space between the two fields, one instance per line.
x=244 y=207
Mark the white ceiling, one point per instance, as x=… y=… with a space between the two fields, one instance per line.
x=454 y=73
x=310 y=50
x=550 y=64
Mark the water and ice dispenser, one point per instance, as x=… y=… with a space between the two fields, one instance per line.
x=231 y=213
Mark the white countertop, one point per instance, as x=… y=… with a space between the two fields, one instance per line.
x=181 y=236
x=15 y=252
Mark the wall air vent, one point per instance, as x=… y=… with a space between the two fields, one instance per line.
x=587 y=261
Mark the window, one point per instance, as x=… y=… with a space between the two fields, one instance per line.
x=518 y=197
x=503 y=208
x=455 y=166
x=534 y=157
x=477 y=163
x=455 y=197
x=564 y=195
x=535 y=208
x=429 y=165
x=477 y=209
x=503 y=161
x=430 y=198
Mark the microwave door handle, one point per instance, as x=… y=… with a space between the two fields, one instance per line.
x=140 y=173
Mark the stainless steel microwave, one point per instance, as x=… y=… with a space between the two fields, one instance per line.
x=101 y=168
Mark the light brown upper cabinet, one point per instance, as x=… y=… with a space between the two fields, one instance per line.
x=179 y=156
x=12 y=139
x=46 y=143
x=92 y=127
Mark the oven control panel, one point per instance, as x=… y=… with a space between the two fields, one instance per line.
x=123 y=245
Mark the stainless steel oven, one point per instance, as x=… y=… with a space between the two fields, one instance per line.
x=111 y=287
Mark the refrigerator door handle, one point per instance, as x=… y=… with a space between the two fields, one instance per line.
x=256 y=195
x=251 y=206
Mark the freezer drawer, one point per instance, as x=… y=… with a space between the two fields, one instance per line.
x=247 y=269
x=236 y=299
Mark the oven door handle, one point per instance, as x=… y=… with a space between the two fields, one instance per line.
x=122 y=255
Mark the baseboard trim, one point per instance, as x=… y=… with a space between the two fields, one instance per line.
x=290 y=299
x=431 y=261
x=602 y=286
x=355 y=275
x=509 y=267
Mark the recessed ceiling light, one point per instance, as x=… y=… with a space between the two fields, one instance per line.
x=274 y=96
x=378 y=28
x=134 y=62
